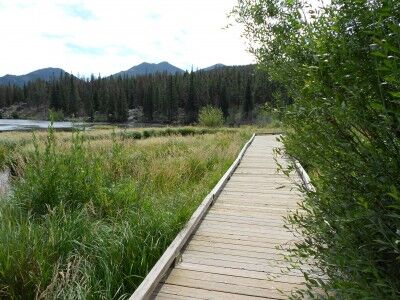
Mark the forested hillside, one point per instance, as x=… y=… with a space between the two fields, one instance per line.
x=161 y=98
x=44 y=74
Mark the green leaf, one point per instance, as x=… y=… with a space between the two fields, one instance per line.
x=395 y=94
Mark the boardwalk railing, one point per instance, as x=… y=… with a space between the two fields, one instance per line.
x=304 y=176
x=160 y=269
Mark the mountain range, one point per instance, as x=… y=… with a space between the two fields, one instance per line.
x=141 y=69
x=44 y=74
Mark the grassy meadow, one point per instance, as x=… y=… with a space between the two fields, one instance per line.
x=90 y=213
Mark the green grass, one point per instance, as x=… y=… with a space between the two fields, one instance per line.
x=89 y=217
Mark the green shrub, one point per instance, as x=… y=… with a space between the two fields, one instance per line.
x=211 y=117
x=136 y=135
x=342 y=68
x=186 y=131
x=57 y=115
x=149 y=133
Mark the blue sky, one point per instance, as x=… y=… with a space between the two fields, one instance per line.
x=99 y=36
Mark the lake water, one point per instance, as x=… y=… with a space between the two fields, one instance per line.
x=11 y=125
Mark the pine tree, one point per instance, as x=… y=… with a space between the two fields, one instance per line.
x=74 y=98
x=171 y=100
x=122 y=107
x=55 y=98
x=190 y=108
x=148 y=104
x=248 y=104
x=223 y=102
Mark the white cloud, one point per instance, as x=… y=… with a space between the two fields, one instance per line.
x=98 y=36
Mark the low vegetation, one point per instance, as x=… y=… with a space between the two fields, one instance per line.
x=90 y=214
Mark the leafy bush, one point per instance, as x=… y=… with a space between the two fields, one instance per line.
x=136 y=135
x=211 y=117
x=341 y=65
x=57 y=115
x=149 y=133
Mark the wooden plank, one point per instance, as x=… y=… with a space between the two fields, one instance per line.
x=259 y=235
x=215 y=285
x=261 y=192
x=243 y=196
x=149 y=283
x=280 y=277
x=240 y=222
x=200 y=244
x=257 y=215
x=267 y=209
x=261 y=214
x=269 y=269
x=245 y=230
x=259 y=208
x=243 y=221
x=258 y=203
x=199 y=293
x=270 y=243
x=283 y=186
x=274 y=189
x=261 y=179
x=265 y=240
x=262 y=217
x=222 y=247
x=163 y=296
x=252 y=192
x=269 y=177
x=261 y=184
x=223 y=213
x=292 y=199
x=243 y=282
x=262 y=262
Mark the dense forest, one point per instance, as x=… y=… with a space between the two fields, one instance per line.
x=240 y=92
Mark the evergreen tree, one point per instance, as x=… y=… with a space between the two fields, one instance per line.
x=248 y=104
x=148 y=104
x=223 y=102
x=74 y=98
x=190 y=107
x=122 y=107
x=171 y=100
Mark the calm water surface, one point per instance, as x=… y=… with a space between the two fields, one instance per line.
x=12 y=125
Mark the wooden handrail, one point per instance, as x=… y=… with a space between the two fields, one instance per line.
x=304 y=176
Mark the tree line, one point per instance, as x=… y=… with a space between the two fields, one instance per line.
x=238 y=91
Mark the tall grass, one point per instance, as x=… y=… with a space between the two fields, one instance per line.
x=89 y=218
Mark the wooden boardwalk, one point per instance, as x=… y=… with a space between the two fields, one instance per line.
x=233 y=253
